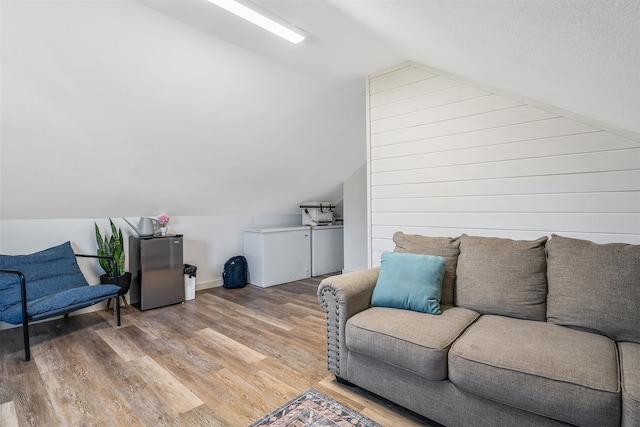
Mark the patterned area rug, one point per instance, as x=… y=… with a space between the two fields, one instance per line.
x=314 y=409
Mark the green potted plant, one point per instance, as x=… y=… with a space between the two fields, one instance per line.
x=113 y=247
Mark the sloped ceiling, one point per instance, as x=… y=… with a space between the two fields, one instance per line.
x=126 y=108
x=579 y=55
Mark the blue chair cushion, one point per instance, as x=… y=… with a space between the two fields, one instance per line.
x=55 y=285
x=47 y=272
x=60 y=303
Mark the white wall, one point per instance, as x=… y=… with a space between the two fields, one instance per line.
x=110 y=108
x=355 y=221
x=208 y=240
x=449 y=157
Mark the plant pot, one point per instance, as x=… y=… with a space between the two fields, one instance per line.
x=124 y=282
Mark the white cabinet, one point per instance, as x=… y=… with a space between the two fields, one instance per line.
x=277 y=255
x=327 y=249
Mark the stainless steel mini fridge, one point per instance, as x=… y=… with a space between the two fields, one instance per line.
x=156 y=266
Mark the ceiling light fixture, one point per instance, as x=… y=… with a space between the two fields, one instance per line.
x=260 y=20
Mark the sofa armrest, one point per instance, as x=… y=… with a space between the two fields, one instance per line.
x=341 y=297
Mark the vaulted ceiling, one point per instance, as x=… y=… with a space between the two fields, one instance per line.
x=126 y=108
x=580 y=55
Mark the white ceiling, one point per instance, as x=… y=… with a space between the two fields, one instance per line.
x=337 y=48
x=579 y=55
x=129 y=108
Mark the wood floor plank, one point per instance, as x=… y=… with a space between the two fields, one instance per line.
x=223 y=359
x=146 y=400
x=266 y=318
x=127 y=349
x=89 y=365
x=301 y=311
x=134 y=400
x=301 y=379
x=179 y=398
x=47 y=357
x=218 y=299
x=244 y=392
x=31 y=400
x=202 y=416
x=8 y=416
x=200 y=382
x=230 y=346
x=236 y=414
x=71 y=401
x=186 y=359
x=276 y=388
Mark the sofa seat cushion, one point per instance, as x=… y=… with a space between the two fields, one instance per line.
x=557 y=372
x=417 y=342
x=630 y=373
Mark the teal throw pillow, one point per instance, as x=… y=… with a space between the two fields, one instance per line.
x=409 y=281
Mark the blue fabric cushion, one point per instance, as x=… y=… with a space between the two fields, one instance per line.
x=60 y=303
x=55 y=285
x=46 y=272
x=409 y=281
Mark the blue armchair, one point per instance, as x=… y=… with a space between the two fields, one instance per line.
x=46 y=284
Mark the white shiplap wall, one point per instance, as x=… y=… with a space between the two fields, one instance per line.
x=447 y=157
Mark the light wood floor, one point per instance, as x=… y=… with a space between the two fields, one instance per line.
x=226 y=358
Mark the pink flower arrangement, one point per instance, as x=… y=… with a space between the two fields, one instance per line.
x=163 y=218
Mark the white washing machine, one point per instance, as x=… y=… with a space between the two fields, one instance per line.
x=327 y=249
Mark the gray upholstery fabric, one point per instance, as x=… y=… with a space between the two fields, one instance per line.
x=502 y=371
x=445 y=247
x=630 y=373
x=558 y=372
x=342 y=297
x=440 y=401
x=417 y=342
x=502 y=276
x=595 y=287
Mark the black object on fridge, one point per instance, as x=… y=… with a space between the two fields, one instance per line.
x=156 y=266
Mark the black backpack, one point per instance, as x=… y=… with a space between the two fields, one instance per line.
x=235 y=272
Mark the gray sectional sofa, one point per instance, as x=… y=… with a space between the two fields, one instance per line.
x=531 y=333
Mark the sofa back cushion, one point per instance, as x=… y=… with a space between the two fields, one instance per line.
x=502 y=276
x=595 y=287
x=47 y=272
x=445 y=247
